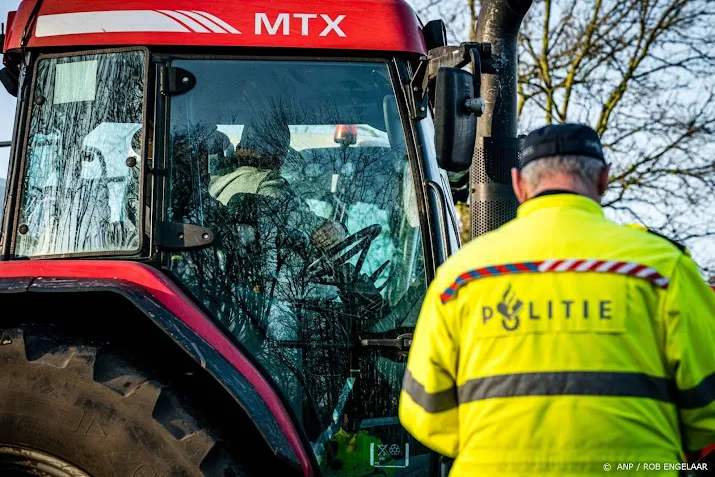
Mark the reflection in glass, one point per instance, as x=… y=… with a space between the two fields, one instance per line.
x=298 y=170
x=80 y=192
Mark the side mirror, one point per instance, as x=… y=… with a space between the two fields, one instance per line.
x=435 y=34
x=455 y=119
x=9 y=80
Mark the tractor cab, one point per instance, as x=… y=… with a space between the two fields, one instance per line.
x=278 y=165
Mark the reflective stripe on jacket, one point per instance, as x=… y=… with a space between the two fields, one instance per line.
x=559 y=343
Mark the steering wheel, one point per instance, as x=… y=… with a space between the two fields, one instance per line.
x=334 y=268
x=341 y=253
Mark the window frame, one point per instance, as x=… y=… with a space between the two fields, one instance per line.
x=23 y=166
x=416 y=158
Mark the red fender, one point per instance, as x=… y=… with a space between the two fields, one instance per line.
x=176 y=301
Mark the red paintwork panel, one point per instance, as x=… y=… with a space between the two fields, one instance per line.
x=378 y=25
x=169 y=295
x=8 y=24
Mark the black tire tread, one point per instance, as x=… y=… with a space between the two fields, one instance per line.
x=66 y=372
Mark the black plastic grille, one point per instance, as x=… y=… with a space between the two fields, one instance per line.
x=492 y=202
x=491 y=214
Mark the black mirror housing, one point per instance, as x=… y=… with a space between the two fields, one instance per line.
x=9 y=81
x=455 y=121
x=435 y=34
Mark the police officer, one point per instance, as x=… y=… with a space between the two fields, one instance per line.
x=563 y=344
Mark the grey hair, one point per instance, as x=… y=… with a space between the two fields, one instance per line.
x=585 y=168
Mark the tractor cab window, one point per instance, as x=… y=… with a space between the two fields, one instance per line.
x=300 y=170
x=81 y=181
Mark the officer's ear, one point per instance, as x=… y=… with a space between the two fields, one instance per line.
x=519 y=185
x=603 y=178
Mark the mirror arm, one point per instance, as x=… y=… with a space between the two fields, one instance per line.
x=460 y=56
x=476 y=105
x=478 y=54
x=418 y=90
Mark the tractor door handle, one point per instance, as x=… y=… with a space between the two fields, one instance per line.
x=402 y=343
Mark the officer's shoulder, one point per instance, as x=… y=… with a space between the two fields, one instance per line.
x=476 y=253
x=654 y=233
x=475 y=250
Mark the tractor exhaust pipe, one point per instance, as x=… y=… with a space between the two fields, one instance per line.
x=492 y=201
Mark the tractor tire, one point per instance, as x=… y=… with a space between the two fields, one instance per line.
x=72 y=408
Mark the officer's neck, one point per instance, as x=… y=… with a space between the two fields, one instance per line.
x=566 y=183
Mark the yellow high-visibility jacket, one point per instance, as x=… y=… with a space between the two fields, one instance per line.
x=560 y=343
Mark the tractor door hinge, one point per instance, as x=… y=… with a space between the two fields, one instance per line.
x=178 y=236
x=173 y=81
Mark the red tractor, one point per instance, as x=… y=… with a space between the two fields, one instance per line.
x=220 y=221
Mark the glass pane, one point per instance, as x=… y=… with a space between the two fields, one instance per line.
x=81 y=187
x=301 y=171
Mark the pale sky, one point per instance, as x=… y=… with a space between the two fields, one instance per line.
x=7 y=102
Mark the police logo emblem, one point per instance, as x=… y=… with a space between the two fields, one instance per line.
x=509 y=308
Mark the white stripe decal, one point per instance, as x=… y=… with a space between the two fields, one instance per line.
x=606 y=266
x=185 y=20
x=218 y=21
x=585 y=265
x=646 y=272
x=565 y=265
x=626 y=267
x=119 y=21
x=544 y=267
x=204 y=21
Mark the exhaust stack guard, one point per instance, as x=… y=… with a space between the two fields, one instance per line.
x=492 y=201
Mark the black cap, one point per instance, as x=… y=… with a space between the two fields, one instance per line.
x=561 y=140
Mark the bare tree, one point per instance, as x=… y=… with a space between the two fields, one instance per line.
x=459 y=15
x=641 y=73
